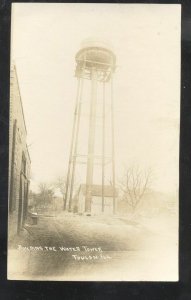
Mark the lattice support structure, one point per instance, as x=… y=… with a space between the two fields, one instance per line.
x=96 y=62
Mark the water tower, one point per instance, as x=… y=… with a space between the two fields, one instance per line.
x=95 y=62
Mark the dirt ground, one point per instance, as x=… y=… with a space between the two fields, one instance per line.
x=72 y=247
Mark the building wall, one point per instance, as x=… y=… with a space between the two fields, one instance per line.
x=19 y=160
x=96 y=202
x=96 y=205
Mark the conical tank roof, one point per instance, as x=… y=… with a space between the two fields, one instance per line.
x=97 y=43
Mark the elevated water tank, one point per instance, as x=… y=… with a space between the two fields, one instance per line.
x=95 y=54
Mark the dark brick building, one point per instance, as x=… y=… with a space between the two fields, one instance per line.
x=19 y=160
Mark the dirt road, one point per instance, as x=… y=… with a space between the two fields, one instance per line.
x=72 y=247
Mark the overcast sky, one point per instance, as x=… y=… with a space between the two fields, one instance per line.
x=146 y=41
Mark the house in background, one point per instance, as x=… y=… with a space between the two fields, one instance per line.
x=19 y=160
x=96 y=204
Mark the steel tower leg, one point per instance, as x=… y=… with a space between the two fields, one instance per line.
x=75 y=146
x=72 y=144
x=113 y=147
x=91 y=142
x=103 y=147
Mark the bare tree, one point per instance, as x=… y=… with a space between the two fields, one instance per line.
x=134 y=185
x=60 y=184
x=46 y=192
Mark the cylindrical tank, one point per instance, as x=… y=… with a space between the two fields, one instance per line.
x=95 y=54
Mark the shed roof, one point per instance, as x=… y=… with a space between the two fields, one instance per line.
x=97 y=190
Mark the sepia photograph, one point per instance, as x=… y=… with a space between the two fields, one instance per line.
x=94 y=142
